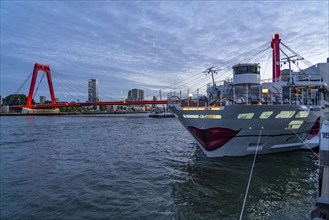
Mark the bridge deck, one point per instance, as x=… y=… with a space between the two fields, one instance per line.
x=77 y=104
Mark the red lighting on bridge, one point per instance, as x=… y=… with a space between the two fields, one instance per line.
x=46 y=69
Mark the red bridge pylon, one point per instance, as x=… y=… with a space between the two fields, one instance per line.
x=46 y=69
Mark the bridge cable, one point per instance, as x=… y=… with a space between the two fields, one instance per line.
x=24 y=83
x=260 y=53
x=268 y=58
x=225 y=65
x=76 y=88
x=43 y=75
x=248 y=55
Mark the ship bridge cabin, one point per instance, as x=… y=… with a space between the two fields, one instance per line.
x=246 y=81
x=244 y=88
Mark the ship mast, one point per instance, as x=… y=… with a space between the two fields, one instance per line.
x=275 y=44
x=290 y=59
x=212 y=72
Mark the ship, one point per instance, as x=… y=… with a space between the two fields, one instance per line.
x=249 y=115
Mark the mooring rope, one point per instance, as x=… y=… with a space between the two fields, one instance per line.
x=250 y=176
x=315 y=154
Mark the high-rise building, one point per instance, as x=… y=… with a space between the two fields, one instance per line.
x=92 y=90
x=42 y=99
x=135 y=95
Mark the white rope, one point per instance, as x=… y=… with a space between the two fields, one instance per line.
x=250 y=176
x=315 y=154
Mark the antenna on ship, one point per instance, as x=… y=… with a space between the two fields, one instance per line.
x=211 y=71
x=290 y=59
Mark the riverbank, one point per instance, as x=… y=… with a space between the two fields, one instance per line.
x=67 y=113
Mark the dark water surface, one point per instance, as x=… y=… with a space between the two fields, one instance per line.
x=135 y=167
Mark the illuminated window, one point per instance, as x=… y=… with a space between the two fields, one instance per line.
x=302 y=114
x=213 y=116
x=294 y=124
x=285 y=114
x=245 y=116
x=265 y=115
x=203 y=116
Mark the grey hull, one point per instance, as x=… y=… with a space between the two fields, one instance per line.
x=241 y=136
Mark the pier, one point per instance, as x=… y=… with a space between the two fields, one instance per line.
x=321 y=209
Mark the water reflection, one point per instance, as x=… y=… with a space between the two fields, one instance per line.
x=213 y=188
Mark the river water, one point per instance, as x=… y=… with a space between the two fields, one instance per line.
x=135 y=167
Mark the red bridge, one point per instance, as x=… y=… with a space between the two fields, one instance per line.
x=46 y=69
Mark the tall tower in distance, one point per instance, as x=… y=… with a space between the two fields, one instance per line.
x=42 y=99
x=93 y=90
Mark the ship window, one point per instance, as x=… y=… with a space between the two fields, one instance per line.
x=203 y=116
x=245 y=116
x=294 y=124
x=246 y=69
x=285 y=114
x=213 y=116
x=191 y=116
x=302 y=114
x=240 y=70
x=253 y=69
x=265 y=115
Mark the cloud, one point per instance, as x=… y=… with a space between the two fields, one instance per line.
x=150 y=44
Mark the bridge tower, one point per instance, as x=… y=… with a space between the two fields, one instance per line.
x=46 y=69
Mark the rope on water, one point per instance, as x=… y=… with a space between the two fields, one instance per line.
x=250 y=176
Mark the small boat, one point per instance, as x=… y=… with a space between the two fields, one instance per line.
x=162 y=115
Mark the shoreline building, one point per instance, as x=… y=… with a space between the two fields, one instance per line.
x=135 y=95
x=93 y=90
x=42 y=99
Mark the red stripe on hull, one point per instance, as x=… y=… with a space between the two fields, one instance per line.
x=212 y=138
x=315 y=129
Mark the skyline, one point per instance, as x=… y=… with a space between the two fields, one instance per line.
x=148 y=45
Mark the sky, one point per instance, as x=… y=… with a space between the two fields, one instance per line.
x=149 y=45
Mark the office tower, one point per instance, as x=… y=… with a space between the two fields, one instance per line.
x=92 y=90
x=135 y=95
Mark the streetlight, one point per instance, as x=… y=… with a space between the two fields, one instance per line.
x=190 y=95
x=265 y=92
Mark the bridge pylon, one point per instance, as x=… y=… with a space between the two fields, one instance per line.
x=46 y=69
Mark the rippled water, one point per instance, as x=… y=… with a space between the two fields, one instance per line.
x=135 y=167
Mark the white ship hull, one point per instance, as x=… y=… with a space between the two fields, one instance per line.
x=238 y=130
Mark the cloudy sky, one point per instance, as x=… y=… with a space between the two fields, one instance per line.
x=149 y=45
